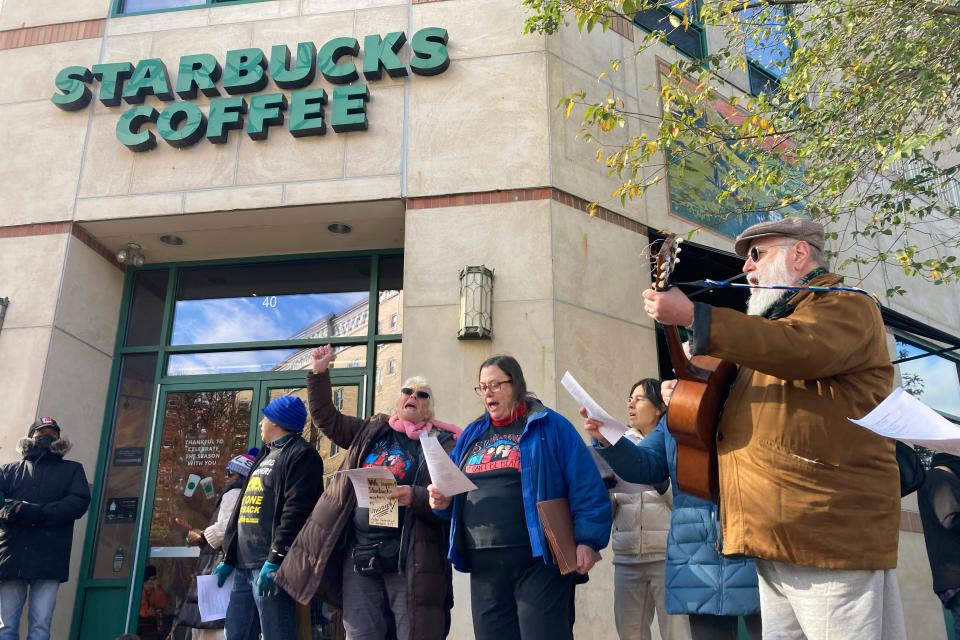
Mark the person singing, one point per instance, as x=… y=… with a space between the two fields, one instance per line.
x=812 y=497
x=518 y=454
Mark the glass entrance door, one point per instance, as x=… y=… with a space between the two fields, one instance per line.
x=200 y=427
x=200 y=430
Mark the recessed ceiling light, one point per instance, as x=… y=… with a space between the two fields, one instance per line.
x=339 y=227
x=171 y=239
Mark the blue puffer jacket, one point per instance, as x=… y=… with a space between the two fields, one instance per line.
x=555 y=463
x=698 y=578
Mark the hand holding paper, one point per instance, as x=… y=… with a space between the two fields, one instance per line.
x=611 y=429
x=445 y=476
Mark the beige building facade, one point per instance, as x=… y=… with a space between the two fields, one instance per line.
x=158 y=372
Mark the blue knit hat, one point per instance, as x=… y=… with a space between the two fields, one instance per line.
x=287 y=412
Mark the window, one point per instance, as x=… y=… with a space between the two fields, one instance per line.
x=392 y=367
x=934 y=379
x=768 y=48
x=944 y=188
x=393 y=321
x=689 y=40
x=142 y=6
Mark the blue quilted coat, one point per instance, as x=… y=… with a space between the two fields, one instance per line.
x=698 y=578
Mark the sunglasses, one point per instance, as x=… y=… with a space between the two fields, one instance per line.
x=407 y=391
x=757 y=253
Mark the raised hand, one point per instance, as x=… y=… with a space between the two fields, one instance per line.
x=321 y=358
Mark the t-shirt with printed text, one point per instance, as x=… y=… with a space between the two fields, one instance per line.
x=255 y=524
x=400 y=455
x=493 y=514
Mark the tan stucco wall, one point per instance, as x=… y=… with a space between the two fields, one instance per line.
x=56 y=350
x=15 y=14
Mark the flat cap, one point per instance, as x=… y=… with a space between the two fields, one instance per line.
x=797 y=228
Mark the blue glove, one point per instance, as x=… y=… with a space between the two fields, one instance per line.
x=265 y=582
x=222 y=571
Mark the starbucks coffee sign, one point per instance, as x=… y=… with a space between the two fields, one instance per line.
x=244 y=71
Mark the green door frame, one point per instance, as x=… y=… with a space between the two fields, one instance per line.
x=164 y=349
x=260 y=387
x=152 y=462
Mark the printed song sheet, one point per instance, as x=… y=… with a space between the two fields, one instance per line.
x=444 y=474
x=213 y=600
x=903 y=417
x=359 y=477
x=611 y=429
x=384 y=511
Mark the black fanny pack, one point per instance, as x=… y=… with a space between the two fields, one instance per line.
x=377 y=558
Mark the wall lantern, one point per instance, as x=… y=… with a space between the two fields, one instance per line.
x=132 y=255
x=4 y=303
x=476 y=303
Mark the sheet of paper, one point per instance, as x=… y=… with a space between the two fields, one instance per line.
x=904 y=417
x=358 y=477
x=384 y=511
x=213 y=600
x=622 y=485
x=611 y=429
x=445 y=475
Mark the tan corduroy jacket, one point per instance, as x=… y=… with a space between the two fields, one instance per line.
x=799 y=483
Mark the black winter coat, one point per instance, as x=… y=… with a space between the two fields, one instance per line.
x=299 y=483
x=939 y=503
x=314 y=567
x=52 y=493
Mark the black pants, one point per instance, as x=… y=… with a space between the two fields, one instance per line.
x=707 y=627
x=515 y=596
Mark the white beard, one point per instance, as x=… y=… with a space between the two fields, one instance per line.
x=776 y=272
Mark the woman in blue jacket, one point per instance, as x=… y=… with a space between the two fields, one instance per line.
x=713 y=589
x=518 y=454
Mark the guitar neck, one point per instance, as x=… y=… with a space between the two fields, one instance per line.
x=665 y=261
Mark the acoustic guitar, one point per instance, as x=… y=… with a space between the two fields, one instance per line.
x=702 y=388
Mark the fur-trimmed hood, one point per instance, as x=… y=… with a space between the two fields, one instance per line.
x=59 y=447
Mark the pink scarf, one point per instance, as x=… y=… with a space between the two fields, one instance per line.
x=413 y=430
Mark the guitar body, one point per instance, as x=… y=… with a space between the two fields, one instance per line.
x=692 y=418
x=702 y=388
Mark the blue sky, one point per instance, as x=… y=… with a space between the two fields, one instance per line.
x=248 y=320
x=941 y=386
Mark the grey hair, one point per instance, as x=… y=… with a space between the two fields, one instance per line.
x=418 y=381
x=817 y=257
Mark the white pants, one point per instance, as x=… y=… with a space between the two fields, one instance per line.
x=798 y=603
x=638 y=592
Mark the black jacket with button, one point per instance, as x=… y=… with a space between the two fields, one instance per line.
x=298 y=486
x=45 y=495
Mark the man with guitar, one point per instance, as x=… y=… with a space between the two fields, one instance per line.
x=812 y=497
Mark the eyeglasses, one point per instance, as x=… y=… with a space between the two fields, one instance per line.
x=757 y=253
x=407 y=391
x=492 y=386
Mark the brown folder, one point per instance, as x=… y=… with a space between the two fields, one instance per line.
x=558 y=526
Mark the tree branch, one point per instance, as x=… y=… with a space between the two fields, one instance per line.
x=930 y=6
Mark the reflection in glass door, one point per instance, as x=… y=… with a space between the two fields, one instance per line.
x=347 y=392
x=201 y=431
